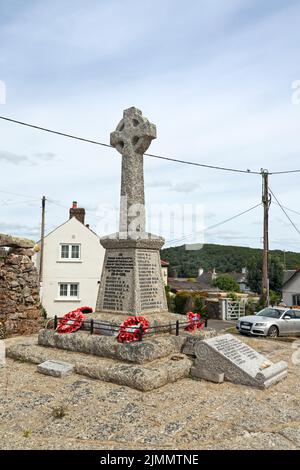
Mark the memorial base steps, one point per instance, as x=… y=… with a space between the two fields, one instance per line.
x=140 y=352
x=144 y=377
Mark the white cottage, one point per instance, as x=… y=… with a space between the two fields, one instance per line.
x=72 y=265
x=291 y=288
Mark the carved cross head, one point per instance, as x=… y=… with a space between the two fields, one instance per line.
x=133 y=134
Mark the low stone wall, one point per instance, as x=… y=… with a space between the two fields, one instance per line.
x=213 y=310
x=19 y=292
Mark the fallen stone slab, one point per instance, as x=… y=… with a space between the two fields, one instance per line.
x=55 y=368
x=139 y=352
x=211 y=376
x=239 y=363
x=193 y=338
x=144 y=377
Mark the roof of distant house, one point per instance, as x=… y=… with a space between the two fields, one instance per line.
x=238 y=277
x=289 y=274
x=164 y=263
x=178 y=284
x=206 y=278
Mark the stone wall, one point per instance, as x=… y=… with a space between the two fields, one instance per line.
x=213 y=309
x=19 y=292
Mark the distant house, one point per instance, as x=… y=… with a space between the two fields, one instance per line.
x=291 y=287
x=209 y=277
x=241 y=279
x=72 y=265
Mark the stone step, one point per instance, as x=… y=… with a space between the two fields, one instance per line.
x=139 y=352
x=144 y=377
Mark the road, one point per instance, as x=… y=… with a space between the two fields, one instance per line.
x=220 y=325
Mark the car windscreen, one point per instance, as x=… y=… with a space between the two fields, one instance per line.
x=270 y=313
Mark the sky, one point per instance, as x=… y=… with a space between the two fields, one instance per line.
x=218 y=78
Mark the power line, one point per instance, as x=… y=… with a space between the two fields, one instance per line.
x=18 y=194
x=95 y=142
x=288 y=209
x=284 y=211
x=90 y=214
x=176 y=160
x=284 y=172
x=215 y=225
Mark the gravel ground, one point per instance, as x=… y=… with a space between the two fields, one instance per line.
x=188 y=414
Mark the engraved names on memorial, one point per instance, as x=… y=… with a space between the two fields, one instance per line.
x=118 y=269
x=149 y=280
x=236 y=351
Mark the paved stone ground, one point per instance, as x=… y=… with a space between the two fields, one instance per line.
x=188 y=414
x=220 y=325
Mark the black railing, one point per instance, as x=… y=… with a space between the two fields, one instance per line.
x=96 y=326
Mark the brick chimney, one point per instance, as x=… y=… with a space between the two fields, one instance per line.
x=77 y=212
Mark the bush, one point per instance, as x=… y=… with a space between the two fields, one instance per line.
x=232 y=296
x=250 y=307
x=170 y=300
x=274 y=298
x=199 y=304
x=226 y=283
x=185 y=301
x=181 y=301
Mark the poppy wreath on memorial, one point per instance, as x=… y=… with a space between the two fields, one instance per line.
x=72 y=321
x=132 y=329
x=85 y=310
x=195 y=321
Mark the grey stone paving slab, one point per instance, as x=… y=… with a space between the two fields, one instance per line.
x=55 y=368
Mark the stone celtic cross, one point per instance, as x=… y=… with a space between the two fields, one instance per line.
x=132 y=138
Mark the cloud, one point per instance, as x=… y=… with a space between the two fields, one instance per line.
x=46 y=156
x=34 y=159
x=185 y=187
x=13 y=158
x=19 y=229
x=159 y=184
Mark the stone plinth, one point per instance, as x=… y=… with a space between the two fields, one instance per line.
x=140 y=352
x=131 y=282
x=140 y=376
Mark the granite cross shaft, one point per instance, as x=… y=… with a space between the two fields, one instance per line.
x=132 y=138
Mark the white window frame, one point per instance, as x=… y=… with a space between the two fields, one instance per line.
x=70 y=259
x=294 y=297
x=68 y=297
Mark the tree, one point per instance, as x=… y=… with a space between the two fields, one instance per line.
x=227 y=283
x=254 y=276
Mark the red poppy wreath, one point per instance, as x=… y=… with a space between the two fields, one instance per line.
x=194 y=321
x=71 y=321
x=132 y=329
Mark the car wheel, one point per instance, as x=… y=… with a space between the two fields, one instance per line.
x=273 y=332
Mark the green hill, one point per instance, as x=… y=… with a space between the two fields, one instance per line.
x=223 y=258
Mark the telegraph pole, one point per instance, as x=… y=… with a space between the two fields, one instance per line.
x=266 y=205
x=42 y=238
